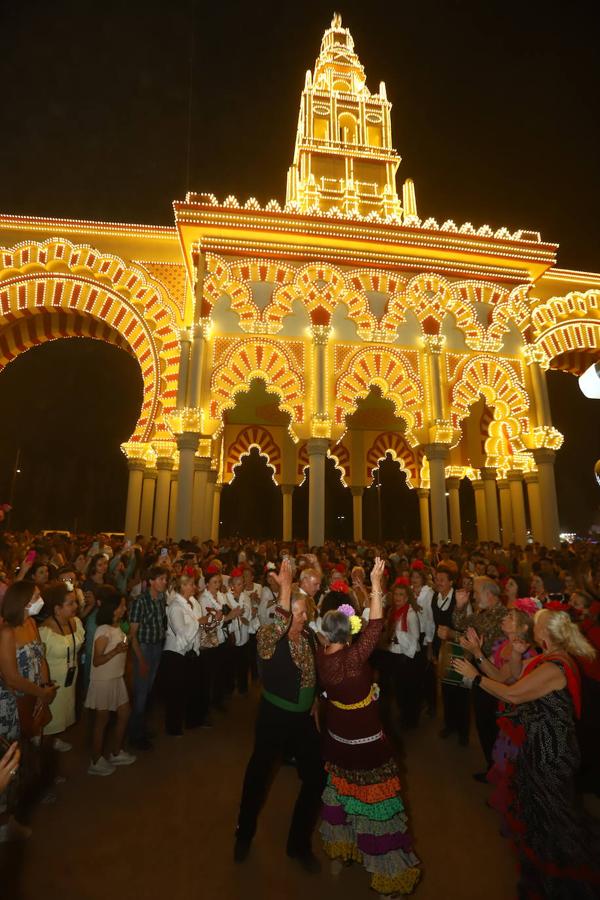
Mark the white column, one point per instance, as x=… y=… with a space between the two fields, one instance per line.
x=148 y=490
x=187 y=444
x=423 y=494
x=216 y=513
x=357 y=512
x=535 y=506
x=515 y=479
x=172 y=505
x=480 y=510
x=202 y=467
x=134 y=497
x=164 y=467
x=211 y=480
x=453 y=486
x=287 y=493
x=437 y=454
x=488 y=476
x=506 y=512
x=544 y=460
x=317 y=451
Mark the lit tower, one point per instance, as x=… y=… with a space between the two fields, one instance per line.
x=344 y=156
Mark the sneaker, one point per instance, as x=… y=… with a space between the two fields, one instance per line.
x=122 y=758
x=100 y=767
x=62 y=746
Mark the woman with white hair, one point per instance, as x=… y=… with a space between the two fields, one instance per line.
x=556 y=849
x=363 y=817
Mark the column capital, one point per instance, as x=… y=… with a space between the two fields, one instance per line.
x=514 y=475
x=357 y=490
x=536 y=355
x=488 y=473
x=136 y=465
x=478 y=484
x=453 y=483
x=321 y=334
x=436 y=451
x=544 y=455
x=287 y=488
x=165 y=463
x=434 y=343
x=212 y=476
x=164 y=449
x=185 y=335
x=188 y=440
x=202 y=464
x=422 y=492
x=135 y=452
x=150 y=473
x=218 y=487
x=503 y=484
x=531 y=478
x=317 y=446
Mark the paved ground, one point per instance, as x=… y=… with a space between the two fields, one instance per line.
x=162 y=829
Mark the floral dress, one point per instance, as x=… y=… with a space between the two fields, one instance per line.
x=363 y=817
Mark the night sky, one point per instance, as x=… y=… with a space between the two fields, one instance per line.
x=495 y=117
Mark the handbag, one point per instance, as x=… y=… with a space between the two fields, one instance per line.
x=34 y=715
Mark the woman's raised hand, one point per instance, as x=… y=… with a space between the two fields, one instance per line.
x=377 y=573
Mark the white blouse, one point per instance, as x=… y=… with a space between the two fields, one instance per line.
x=183 y=632
x=407 y=642
x=426 y=614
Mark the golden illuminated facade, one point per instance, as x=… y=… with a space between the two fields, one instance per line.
x=340 y=325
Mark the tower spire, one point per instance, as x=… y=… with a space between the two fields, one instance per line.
x=343 y=156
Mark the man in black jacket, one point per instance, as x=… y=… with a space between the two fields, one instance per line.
x=286 y=725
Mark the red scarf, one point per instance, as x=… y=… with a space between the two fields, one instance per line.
x=401 y=615
x=571 y=674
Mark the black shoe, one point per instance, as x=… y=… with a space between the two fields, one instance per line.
x=463 y=740
x=307 y=860
x=481 y=777
x=241 y=849
x=142 y=744
x=445 y=733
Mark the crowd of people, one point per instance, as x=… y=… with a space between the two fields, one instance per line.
x=341 y=641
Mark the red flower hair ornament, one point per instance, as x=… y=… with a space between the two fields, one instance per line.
x=340 y=586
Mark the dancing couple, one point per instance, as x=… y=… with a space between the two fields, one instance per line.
x=358 y=789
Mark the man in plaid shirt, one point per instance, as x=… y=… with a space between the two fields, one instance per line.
x=148 y=620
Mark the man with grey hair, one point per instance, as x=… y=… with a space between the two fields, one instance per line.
x=487 y=623
x=309 y=585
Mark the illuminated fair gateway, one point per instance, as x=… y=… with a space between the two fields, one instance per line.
x=339 y=325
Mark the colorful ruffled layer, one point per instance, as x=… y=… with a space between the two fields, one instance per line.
x=363 y=820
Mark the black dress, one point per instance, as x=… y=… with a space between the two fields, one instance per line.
x=559 y=852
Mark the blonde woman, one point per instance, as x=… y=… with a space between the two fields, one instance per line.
x=556 y=853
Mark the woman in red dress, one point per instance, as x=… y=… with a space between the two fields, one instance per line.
x=363 y=817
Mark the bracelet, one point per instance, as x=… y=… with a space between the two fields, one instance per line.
x=476 y=681
x=479 y=660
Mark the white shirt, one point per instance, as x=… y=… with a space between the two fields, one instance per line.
x=183 y=632
x=238 y=628
x=426 y=614
x=407 y=642
x=267 y=606
x=207 y=601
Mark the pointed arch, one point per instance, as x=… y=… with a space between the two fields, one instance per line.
x=394 y=443
x=243 y=361
x=390 y=371
x=253 y=436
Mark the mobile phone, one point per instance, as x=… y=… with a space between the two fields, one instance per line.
x=30 y=556
x=164 y=552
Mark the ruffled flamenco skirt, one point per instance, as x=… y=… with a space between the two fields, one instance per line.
x=363 y=820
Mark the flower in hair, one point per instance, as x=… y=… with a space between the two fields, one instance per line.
x=402 y=581
x=347 y=609
x=340 y=587
x=417 y=564
x=527 y=605
x=355 y=624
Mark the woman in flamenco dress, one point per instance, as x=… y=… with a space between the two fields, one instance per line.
x=363 y=817
x=558 y=846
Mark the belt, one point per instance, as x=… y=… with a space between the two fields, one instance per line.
x=372 y=695
x=364 y=740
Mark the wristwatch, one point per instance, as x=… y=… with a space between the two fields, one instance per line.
x=479 y=660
